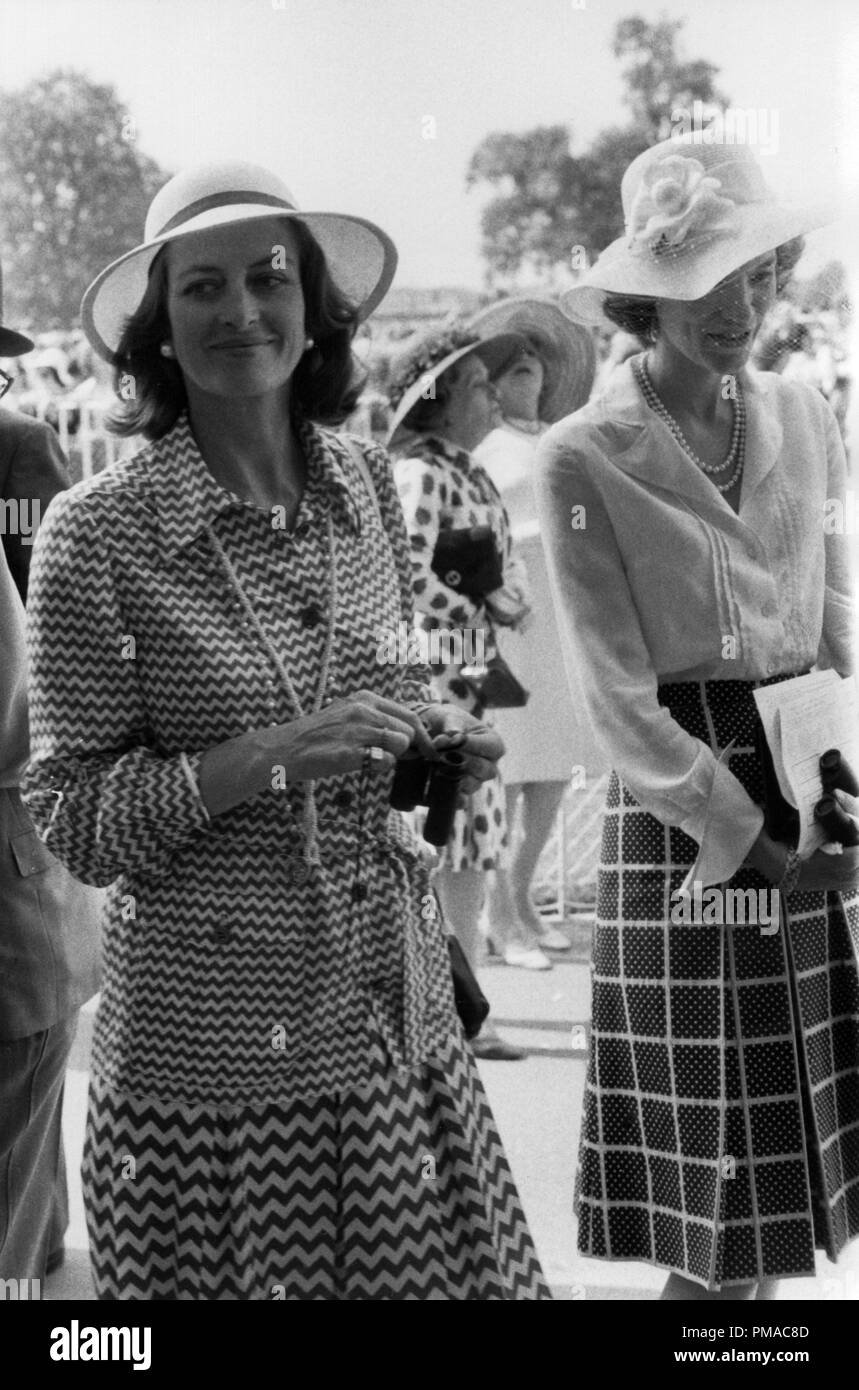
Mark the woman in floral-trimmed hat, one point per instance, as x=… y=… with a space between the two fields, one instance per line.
x=684 y=513
x=444 y=405
x=282 y=1104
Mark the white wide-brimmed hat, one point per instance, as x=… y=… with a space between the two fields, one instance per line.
x=566 y=350
x=361 y=257
x=694 y=213
x=12 y=344
x=426 y=356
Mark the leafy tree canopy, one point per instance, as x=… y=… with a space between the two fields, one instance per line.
x=74 y=190
x=552 y=207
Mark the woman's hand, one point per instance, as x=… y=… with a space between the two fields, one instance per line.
x=508 y=606
x=820 y=872
x=452 y=727
x=830 y=873
x=336 y=739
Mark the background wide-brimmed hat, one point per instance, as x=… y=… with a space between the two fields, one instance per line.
x=566 y=349
x=694 y=213
x=11 y=344
x=360 y=256
x=426 y=356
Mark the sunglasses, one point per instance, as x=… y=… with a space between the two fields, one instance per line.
x=5 y=382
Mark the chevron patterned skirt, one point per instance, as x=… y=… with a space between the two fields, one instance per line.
x=399 y=1190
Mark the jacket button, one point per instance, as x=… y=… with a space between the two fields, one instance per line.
x=359 y=892
x=222 y=933
x=297 y=869
x=343 y=799
x=311 y=616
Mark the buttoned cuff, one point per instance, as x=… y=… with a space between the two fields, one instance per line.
x=732 y=823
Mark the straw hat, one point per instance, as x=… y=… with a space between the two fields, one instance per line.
x=11 y=344
x=426 y=356
x=694 y=213
x=566 y=350
x=361 y=257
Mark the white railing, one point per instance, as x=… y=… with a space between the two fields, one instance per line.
x=84 y=438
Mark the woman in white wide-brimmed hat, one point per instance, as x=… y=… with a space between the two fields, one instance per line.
x=547 y=742
x=684 y=516
x=282 y=1104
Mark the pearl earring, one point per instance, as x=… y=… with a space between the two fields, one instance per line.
x=166 y=350
x=308 y=344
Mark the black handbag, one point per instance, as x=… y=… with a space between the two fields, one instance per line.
x=467 y=560
x=471 y=1003
x=497 y=688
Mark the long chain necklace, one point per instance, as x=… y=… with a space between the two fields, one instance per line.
x=309 y=820
x=736 y=454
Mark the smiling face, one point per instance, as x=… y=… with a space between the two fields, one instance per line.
x=717 y=332
x=471 y=409
x=236 y=309
x=519 y=386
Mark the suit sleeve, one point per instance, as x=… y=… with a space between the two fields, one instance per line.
x=13 y=681
x=104 y=800
x=674 y=776
x=38 y=471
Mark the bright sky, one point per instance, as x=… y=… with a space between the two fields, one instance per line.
x=334 y=94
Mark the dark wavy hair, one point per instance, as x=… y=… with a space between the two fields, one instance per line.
x=640 y=318
x=325 y=385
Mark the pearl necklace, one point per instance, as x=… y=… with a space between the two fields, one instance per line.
x=309 y=820
x=736 y=453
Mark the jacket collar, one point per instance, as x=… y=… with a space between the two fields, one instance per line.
x=187 y=498
x=649 y=439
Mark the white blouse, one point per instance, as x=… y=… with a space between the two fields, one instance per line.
x=655 y=578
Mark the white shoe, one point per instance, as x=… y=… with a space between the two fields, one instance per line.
x=553 y=939
x=526 y=957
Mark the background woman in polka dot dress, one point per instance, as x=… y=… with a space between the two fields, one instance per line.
x=444 y=405
x=720 y=1137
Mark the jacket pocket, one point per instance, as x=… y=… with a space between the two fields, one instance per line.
x=30 y=855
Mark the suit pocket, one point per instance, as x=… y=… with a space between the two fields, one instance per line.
x=30 y=855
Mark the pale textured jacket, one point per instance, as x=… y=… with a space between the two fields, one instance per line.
x=657 y=579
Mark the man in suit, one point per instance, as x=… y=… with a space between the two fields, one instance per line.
x=48 y=921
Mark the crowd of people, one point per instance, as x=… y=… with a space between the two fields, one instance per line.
x=286 y=844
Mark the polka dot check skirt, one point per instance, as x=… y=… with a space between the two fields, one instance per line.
x=720 y=1136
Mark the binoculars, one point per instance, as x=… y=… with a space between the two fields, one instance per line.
x=419 y=781
x=836 y=775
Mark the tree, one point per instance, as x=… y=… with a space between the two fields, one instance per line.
x=553 y=210
x=657 y=81
x=75 y=189
x=530 y=221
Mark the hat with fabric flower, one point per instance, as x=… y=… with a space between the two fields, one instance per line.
x=694 y=213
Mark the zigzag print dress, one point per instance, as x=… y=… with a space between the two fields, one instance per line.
x=282 y=1104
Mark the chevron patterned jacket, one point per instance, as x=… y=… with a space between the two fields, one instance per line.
x=227 y=977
